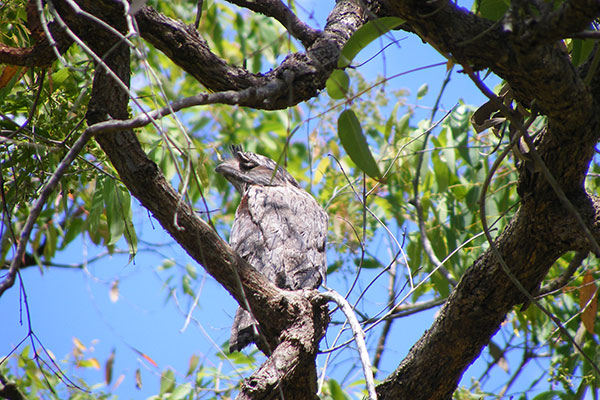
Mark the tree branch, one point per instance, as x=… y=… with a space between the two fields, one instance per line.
x=43 y=53
x=9 y=390
x=570 y=18
x=359 y=338
x=285 y=16
x=298 y=78
x=183 y=44
x=564 y=278
x=543 y=73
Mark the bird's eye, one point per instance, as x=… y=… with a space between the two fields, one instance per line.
x=246 y=163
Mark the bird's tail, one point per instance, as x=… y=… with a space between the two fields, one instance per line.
x=243 y=332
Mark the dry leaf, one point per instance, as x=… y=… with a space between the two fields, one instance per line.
x=588 y=301
x=108 y=368
x=113 y=294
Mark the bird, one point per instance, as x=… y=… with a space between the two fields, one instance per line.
x=278 y=228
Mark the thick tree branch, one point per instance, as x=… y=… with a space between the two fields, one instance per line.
x=478 y=305
x=9 y=390
x=290 y=370
x=299 y=77
x=183 y=44
x=569 y=18
x=543 y=73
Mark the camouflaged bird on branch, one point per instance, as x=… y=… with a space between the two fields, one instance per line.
x=279 y=229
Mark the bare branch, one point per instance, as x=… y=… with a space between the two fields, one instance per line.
x=404 y=310
x=243 y=97
x=359 y=337
x=565 y=277
x=282 y=13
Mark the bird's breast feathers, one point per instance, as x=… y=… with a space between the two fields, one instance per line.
x=281 y=231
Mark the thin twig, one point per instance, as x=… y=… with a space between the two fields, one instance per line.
x=383 y=225
x=564 y=278
x=416 y=200
x=359 y=337
x=285 y=16
x=426 y=279
x=388 y=323
x=51 y=41
x=48 y=188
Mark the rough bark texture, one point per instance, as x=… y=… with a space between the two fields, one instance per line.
x=523 y=51
x=299 y=77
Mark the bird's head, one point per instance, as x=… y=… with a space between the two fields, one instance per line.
x=247 y=169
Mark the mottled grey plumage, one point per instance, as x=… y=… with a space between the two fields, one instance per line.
x=279 y=229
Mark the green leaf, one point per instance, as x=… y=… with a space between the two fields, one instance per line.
x=51 y=240
x=368 y=263
x=191 y=271
x=550 y=395
x=94 y=218
x=167 y=381
x=422 y=92
x=331 y=268
x=365 y=35
x=73 y=229
x=180 y=392
x=167 y=264
x=186 y=283
x=581 y=50
x=490 y=9
x=194 y=360
x=59 y=77
x=114 y=214
x=337 y=84
x=403 y=125
x=336 y=390
x=354 y=142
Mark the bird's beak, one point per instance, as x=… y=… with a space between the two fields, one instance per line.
x=230 y=170
x=227 y=168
